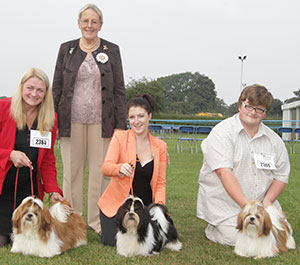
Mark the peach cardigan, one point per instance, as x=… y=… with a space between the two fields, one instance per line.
x=122 y=149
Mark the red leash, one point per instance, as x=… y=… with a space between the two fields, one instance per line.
x=16 y=185
x=131 y=179
x=131 y=176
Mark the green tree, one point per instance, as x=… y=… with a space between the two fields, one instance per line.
x=189 y=93
x=296 y=98
x=231 y=110
x=142 y=86
x=221 y=106
x=289 y=100
x=297 y=93
x=275 y=110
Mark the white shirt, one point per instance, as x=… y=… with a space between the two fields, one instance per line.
x=229 y=146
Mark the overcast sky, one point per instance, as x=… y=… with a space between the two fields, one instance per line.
x=163 y=37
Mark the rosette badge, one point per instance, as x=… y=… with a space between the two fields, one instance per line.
x=102 y=57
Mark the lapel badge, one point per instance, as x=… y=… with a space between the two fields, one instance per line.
x=71 y=50
x=102 y=57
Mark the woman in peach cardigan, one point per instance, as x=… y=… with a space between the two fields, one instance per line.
x=133 y=154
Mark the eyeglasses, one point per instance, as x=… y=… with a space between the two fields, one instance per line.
x=250 y=108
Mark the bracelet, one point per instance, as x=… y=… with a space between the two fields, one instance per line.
x=50 y=194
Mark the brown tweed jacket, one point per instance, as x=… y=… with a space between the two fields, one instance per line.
x=69 y=59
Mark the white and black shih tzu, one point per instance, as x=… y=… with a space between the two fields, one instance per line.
x=144 y=230
x=263 y=231
x=46 y=232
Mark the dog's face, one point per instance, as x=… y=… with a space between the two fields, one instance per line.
x=131 y=215
x=31 y=216
x=253 y=219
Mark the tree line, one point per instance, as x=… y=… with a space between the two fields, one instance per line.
x=191 y=93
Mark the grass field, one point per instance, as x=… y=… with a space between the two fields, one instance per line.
x=182 y=187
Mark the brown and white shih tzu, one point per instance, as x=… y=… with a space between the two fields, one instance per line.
x=41 y=232
x=144 y=230
x=263 y=231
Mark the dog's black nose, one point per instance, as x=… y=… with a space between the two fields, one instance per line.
x=252 y=219
x=131 y=216
x=29 y=216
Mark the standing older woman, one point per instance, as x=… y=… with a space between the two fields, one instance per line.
x=28 y=114
x=133 y=153
x=89 y=97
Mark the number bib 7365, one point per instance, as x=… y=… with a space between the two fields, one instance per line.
x=264 y=161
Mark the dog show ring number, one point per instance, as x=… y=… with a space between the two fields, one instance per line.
x=40 y=140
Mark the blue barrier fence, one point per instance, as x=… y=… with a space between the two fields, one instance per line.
x=175 y=124
x=172 y=126
x=167 y=128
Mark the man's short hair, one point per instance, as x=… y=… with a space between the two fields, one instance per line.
x=257 y=95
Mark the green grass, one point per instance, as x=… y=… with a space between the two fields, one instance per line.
x=182 y=187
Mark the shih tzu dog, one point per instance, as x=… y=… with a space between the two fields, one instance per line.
x=41 y=232
x=144 y=230
x=262 y=232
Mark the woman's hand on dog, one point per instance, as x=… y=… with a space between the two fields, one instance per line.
x=55 y=196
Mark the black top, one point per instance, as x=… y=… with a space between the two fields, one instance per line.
x=141 y=181
x=22 y=143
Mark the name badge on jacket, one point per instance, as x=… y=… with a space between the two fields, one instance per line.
x=40 y=140
x=264 y=161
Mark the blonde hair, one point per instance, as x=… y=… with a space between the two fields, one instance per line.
x=46 y=115
x=93 y=7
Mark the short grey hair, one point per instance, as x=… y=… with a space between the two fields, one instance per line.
x=93 y=7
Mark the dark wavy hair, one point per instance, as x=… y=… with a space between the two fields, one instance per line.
x=144 y=101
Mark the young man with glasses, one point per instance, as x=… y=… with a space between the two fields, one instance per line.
x=243 y=160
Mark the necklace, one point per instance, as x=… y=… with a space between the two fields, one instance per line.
x=92 y=47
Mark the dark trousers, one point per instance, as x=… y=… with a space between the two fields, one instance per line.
x=108 y=230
